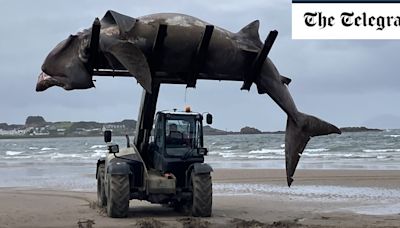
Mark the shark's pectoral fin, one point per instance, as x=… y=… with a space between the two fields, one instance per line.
x=124 y=23
x=131 y=57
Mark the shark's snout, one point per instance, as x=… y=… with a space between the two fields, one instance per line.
x=45 y=81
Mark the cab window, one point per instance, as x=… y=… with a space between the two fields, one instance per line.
x=182 y=133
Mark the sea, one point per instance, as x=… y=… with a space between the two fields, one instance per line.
x=70 y=163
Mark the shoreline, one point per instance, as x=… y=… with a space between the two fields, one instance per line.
x=280 y=132
x=242 y=198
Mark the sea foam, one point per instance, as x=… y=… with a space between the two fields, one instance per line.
x=13 y=153
x=393 y=136
x=98 y=146
x=48 y=148
x=267 y=151
x=381 y=150
x=316 y=150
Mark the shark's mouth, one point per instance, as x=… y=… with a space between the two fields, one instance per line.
x=45 y=81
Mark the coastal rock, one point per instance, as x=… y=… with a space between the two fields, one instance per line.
x=250 y=130
x=35 y=121
x=358 y=129
x=208 y=130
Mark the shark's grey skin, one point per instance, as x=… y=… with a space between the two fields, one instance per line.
x=126 y=44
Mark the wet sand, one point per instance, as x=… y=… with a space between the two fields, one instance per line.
x=242 y=198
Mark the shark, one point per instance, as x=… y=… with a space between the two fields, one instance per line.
x=126 y=44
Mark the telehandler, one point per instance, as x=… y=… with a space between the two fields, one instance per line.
x=172 y=173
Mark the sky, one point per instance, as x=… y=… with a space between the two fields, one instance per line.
x=348 y=83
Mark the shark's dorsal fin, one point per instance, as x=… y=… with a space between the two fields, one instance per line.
x=248 y=37
x=249 y=34
x=251 y=30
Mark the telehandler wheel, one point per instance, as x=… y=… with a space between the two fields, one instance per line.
x=101 y=191
x=118 y=196
x=202 y=195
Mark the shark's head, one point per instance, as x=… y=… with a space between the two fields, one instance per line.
x=67 y=65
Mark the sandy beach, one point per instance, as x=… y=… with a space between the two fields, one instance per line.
x=242 y=198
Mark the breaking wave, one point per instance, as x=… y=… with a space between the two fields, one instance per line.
x=316 y=150
x=62 y=155
x=48 y=148
x=392 y=136
x=13 y=153
x=267 y=151
x=281 y=151
x=98 y=146
x=381 y=150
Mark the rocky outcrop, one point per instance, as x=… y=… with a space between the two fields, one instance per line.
x=35 y=121
x=358 y=129
x=250 y=130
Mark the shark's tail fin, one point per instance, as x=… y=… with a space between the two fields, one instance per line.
x=298 y=133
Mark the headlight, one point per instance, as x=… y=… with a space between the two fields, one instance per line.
x=113 y=148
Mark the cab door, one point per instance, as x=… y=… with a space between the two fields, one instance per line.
x=159 y=139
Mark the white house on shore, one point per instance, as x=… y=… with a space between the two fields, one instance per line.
x=13 y=132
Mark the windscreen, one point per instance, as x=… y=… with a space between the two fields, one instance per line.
x=183 y=134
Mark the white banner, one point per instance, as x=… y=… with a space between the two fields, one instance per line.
x=346 y=20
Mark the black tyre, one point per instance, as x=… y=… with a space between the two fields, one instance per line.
x=101 y=191
x=202 y=195
x=118 y=196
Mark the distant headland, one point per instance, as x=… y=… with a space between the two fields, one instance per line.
x=251 y=130
x=38 y=127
